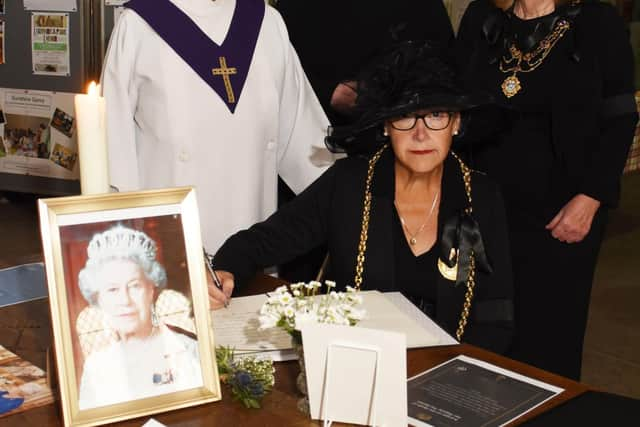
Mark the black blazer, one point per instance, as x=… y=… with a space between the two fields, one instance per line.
x=593 y=108
x=330 y=211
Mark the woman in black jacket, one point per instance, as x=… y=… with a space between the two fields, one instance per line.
x=566 y=71
x=402 y=213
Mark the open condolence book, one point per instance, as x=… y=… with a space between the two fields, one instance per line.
x=466 y=392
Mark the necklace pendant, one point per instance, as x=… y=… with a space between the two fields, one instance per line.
x=413 y=241
x=511 y=86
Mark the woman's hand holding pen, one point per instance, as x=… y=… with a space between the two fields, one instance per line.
x=219 y=298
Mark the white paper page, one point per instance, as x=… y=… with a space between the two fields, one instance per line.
x=52 y=5
x=420 y=318
x=383 y=314
x=237 y=326
x=365 y=380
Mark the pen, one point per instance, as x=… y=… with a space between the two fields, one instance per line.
x=216 y=279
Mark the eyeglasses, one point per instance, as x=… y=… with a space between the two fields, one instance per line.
x=434 y=120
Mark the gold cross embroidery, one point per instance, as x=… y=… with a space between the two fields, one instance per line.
x=225 y=73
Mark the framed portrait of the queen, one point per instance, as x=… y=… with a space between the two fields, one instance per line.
x=129 y=305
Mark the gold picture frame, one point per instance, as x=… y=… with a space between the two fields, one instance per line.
x=129 y=340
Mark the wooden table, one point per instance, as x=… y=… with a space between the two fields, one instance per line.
x=279 y=407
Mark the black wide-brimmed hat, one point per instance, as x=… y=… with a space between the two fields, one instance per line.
x=407 y=77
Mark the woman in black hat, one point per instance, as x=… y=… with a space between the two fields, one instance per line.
x=402 y=213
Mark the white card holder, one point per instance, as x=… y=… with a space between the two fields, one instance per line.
x=327 y=386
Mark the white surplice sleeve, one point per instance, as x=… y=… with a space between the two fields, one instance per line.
x=121 y=97
x=302 y=156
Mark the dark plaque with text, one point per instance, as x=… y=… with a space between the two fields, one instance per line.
x=466 y=392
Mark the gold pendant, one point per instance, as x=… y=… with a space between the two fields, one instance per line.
x=449 y=273
x=511 y=86
x=413 y=240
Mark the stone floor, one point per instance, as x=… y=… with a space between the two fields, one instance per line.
x=611 y=357
x=612 y=346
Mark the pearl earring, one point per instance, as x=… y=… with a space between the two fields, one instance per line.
x=385 y=133
x=455 y=132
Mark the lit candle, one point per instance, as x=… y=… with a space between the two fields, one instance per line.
x=92 y=142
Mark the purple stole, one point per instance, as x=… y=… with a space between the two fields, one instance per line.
x=223 y=67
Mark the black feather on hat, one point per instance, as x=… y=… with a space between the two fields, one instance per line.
x=408 y=77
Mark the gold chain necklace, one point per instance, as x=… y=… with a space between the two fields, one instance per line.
x=412 y=236
x=520 y=62
x=364 y=234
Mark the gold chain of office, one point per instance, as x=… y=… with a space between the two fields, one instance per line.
x=364 y=234
x=526 y=62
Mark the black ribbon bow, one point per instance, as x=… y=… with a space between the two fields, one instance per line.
x=462 y=232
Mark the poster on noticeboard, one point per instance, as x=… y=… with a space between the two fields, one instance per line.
x=50 y=44
x=52 y=5
x=37 y=134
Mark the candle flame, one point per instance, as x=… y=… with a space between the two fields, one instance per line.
x=93 y=89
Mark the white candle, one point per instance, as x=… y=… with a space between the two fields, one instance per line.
x=92 y=142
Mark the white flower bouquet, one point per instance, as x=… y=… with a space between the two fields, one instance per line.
x=289 y=307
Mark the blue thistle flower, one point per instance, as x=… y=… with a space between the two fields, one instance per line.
x=256 y=389
x=243 y=378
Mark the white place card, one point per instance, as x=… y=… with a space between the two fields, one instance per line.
x=356 y=375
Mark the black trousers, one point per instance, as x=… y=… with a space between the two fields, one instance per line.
x=553 y=283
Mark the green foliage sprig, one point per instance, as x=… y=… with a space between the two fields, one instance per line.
x=250 y=379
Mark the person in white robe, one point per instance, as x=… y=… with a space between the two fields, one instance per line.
x=166 y=127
